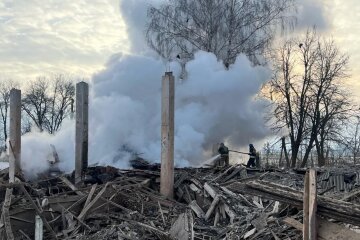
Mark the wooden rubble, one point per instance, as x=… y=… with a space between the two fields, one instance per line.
x=215 y=203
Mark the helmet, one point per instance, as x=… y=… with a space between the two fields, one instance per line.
x=250 y=145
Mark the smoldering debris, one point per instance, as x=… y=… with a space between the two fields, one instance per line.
x=210 y=203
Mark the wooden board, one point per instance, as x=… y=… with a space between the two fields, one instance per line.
x=327 y=230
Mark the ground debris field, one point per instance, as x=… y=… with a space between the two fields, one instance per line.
x=210 y=203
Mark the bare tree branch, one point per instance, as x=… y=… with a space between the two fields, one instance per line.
x=226 y=28
x=47 y=101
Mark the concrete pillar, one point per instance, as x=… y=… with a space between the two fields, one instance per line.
x=81 y=130
x=167 y=135
x=15 y=134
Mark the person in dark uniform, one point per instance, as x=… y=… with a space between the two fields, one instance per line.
x=252 y=153
x=224 y=152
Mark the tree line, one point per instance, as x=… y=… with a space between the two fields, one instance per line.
x=310 y=105
x=46 y=102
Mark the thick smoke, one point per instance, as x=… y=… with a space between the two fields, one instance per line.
x=212 y=105
x=134 y=13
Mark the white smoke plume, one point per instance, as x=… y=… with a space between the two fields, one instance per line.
x=212 y=105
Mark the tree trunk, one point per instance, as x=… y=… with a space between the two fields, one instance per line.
x=354 y=158
x=320 y=152
x=307 y=153
x=294 y=153
x=280 y=159
x=5 y=134
x=283 y=144
x=321 y=160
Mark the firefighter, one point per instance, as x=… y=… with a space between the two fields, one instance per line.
x=224 y=154
x=252 y=159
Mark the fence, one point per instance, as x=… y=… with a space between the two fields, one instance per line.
x=336 y=157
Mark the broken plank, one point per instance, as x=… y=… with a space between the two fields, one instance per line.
x=212 y=207
x=209 y=189
x=229 y=212
x=222 y=174
x=227 y=191
x=194 y=188
x=182 y=229
x=46 y=223
x=197 y=210
x=222 y=211
x=70 y=185
x=182 y=178
x=91 y=203
x=217 y=217
x=91 y=193
x=351 y=195
x=162 y=214
x=5 y=216
x=236 y=171
x=258 y=205
x=327 y=207
x=39 y=232
x=249 y=233
x=80 y=221
x=293 y=223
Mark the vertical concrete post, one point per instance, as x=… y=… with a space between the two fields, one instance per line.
x=81 y=130
x=15 y=134
x=167 y=135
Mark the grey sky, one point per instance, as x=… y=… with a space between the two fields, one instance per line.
x=78 y=37
x=42 y=36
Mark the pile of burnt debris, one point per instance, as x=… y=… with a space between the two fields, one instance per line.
x=209 y=203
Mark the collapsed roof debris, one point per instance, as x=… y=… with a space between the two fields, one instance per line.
x=210 y=203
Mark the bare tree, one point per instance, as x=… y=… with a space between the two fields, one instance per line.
x=47 y=101
x=352 y=140
x=60 y=100
x=333 y=116
x=307 y=93
x=330 y=105
x=5 y=86
x=283 y=151
x=290 y=91
x=36 y=102
x=226 y=28
x=26 y=124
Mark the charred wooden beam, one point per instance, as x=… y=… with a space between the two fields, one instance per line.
x=327 y=207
